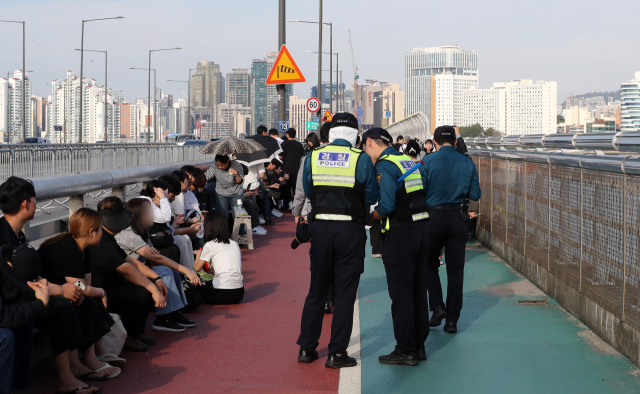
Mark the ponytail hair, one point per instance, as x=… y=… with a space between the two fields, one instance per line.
x=80 y=223
x=149 y=191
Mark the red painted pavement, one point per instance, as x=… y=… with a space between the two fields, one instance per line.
x=246 y=348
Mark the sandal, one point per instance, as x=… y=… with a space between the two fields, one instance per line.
x=114 y=360
x=78 y=389
x=113 y=375
x=87 y=377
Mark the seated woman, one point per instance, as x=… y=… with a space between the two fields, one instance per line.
x=134 y=240
x=221 y=257
x=64 y=262
x=156 y=192
x=198 y=189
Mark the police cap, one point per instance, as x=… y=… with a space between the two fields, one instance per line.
x=344 y=119
x=378 y=132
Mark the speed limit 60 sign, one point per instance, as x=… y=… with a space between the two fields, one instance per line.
x=313 y=104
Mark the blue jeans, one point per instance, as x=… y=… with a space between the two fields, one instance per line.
x=211 y=188
x=176 y=299
x=264 y=206
x=226 y=204
x=15 y=359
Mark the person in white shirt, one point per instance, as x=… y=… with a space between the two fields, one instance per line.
x=186 y=203
x=155 y=191
x=221 y=257
x=252 y=182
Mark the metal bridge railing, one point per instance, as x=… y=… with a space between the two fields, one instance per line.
x=414 y=126
x=574 y=214
x=32 y=161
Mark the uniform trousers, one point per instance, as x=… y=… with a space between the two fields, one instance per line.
x=448 y=230
x=376 y=238
x=336 y=248
x=405 y=263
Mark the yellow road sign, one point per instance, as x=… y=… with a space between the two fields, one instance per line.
x=327 y=117
x=285 y=69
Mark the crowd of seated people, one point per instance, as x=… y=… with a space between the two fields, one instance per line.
x=125 y=260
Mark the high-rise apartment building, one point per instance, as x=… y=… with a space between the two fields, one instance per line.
x=435 y=80
x=630 y=107
x=11 y=107
x=388 y=105
x=513 y=108
x=239 y=87
x=207 y=85
x=264 y=96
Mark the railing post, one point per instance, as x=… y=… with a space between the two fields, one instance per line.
x=76 y=202
x=120 y=192
x=11 y=160
x=33 y=157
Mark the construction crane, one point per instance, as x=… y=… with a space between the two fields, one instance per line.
x=355 y=79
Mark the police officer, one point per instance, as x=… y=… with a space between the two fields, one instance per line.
x=340 y=182
x=402 y=210
x=453 y=180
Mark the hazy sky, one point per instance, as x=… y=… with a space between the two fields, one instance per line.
x=583 y=45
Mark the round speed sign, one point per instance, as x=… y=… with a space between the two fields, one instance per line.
x=313 y=104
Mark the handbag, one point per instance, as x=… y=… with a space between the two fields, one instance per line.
x=160 y=236
x=194 y=298
x=114 y=340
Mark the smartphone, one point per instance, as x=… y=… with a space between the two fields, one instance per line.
x=202 y=282
x=80 y=285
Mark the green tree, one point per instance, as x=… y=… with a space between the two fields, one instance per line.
x=491 y=132
x=471 y=131
x=560 y=119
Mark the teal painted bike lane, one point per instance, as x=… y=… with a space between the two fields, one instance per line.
x=502 y=345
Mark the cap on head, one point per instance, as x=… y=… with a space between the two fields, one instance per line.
x=378 y=132
x=344 y=119
x=444 y=131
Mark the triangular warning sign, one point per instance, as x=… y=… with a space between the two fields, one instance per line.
x=327 y=117
x=285 y=69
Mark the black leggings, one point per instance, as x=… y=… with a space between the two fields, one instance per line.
x=132 y=303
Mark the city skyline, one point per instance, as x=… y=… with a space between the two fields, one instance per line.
x=510 y=46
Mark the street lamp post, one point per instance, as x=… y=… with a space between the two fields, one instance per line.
x=330 y=77
x=155 y=127
x=149 y=99
x=24 y=71
x=106 y=139
x=82 y=67
x=319 y=52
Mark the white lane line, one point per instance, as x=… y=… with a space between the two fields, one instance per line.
x=351 y=378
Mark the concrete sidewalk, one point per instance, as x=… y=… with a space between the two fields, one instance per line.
x=502 y=345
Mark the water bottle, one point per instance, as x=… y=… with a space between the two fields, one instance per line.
x=200 y=232
x=240 y=209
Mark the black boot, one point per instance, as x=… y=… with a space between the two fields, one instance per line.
x=334 y=361
x=397 y=358
x=450 y=327
x=307 y=355
x=422 y=354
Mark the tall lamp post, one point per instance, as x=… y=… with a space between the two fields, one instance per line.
x=149 y=102
x=187 y=82
x=104 y=115
x=330 y=79
x=320 y=59
x=82 y=67
x=155 y=127
x=23 y=77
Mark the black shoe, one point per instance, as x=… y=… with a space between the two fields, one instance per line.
x=166 y=323
x=307 y=355
x=181 y=320
x=336 y=362
x=333 y=302
x=451 y=328
x=439 y=314
x=269 y=222
x=327 y=307
x=422 y=354
x=396 y=358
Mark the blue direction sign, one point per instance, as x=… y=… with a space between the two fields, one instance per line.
x=387 y=114
x=283 y=125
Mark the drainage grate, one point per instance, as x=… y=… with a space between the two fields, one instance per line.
x=533 y=302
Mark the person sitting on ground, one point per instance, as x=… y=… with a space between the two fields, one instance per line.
x=131 y=286
x=134 y=240
x=255 y=191
x=64 y=262
x=221 y=257
x=229 y=178
x=18 y=204
x=185 y=204
x=202 y=194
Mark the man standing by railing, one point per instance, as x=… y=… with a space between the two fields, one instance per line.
x=452 y=180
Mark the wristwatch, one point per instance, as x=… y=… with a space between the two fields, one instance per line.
x=157 y=278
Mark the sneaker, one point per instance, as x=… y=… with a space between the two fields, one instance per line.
x=280 y=204
x=276 y=213
x=262 y=220
x=165 y=323
x=181 y=320
x=259 y=231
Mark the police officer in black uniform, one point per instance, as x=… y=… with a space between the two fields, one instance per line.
x=402 y=211
x=453 y=180
x=340 y=182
